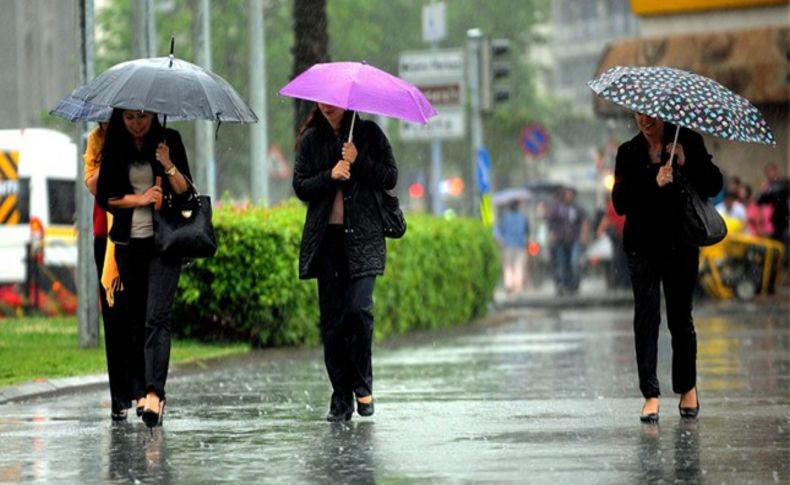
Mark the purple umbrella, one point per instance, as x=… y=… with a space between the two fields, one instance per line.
x=359 y=86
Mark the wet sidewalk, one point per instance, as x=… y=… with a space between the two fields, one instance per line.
x=542 y=396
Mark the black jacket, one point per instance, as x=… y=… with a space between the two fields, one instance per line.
x=114 y=182
x=318 y=152
x=653 y=214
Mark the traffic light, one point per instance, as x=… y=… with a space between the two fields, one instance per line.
x=492 y=71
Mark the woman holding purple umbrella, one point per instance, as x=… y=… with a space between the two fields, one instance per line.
x=343 y=242
x=645 y=192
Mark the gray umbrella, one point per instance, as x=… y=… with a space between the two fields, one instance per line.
x=169 y=86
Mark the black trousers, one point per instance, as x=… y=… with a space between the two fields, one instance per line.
x=150 y=281
x=677 y=269
x=346 y=307
x=117 y=337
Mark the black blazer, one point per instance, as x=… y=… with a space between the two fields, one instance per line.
x=114 y=182
x=374 y=169
x=653 y=214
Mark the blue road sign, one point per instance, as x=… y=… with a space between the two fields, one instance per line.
x=534 y=141
x=483 y=170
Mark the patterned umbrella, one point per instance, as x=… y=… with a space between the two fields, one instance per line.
x=684 y=99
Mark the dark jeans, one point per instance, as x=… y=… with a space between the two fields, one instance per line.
x=677 y=270
x=150 y=281
x=565 y=258
x=346 y=324
x=117 y=337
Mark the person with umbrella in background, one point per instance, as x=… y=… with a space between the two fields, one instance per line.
x=343 y=242
x=142 y=164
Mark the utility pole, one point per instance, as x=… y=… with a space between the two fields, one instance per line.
x=205 y=179
x=258 y=143
x=87 y=281
x=436 y=142
x=474 y=40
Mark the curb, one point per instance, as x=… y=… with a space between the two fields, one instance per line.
x=615 y=298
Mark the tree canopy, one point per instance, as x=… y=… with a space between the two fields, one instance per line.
x=369 y=30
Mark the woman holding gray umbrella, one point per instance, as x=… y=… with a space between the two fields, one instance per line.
x=646 y=193
x=343 y=242
x=142 y=165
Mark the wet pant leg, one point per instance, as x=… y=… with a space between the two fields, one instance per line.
x=133 y=260
x=680 y=271
x=358 y=320
x=116 y=338
x=163 y=274
x=645 y=281
x=333 y=283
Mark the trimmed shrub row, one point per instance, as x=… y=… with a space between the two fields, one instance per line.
x=443 y=272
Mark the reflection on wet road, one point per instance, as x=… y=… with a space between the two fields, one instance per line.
x=543 y=397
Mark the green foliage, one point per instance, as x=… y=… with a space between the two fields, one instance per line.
x=373 y=30
x=441 y=273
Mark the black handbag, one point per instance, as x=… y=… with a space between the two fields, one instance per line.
x=186 y=231
x=392 y=221
x=702 y=223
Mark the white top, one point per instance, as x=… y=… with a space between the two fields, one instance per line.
x=141 y=177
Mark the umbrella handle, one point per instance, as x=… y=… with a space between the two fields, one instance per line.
x=674 y=144
x=351 y=130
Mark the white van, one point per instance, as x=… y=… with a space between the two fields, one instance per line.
x=38 y=168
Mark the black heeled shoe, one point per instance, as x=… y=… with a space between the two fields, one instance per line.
x=118 y=415
x=365 y=409
x=334 y=416
x=651 y=418
x=689 y=413
x=154 y=419
x=140 y=407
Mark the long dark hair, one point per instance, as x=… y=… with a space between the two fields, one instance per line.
x=119 y=144
x=316 y=119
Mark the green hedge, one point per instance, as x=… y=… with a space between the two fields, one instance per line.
x=443 y=272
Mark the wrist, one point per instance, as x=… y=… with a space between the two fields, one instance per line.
x=171 y=171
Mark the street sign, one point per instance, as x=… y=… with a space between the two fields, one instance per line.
x=434 y=22
x=439 y=75
x=534 y=141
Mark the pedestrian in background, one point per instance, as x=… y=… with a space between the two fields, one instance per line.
x=513 y=231
x=657 y=252
x=568 y=229
x=343 y=243
x=116 y=334
x=137 y=153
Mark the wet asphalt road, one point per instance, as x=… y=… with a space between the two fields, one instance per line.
x=542 y=397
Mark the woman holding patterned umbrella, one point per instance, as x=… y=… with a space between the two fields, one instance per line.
x=645 y=192
x=650 y=170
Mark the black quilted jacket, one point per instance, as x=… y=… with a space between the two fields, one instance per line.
x=374 y=169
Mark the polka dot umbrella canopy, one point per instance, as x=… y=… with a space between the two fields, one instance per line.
x=684 y=99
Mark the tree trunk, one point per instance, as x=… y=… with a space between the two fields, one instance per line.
x=311 y=46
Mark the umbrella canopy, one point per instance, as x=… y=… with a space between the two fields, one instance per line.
x=684 y=99
x=169 y=86
x=74 y=109
x=359 y=86
x=513 y=194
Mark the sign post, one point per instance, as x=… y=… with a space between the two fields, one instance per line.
x=439 y=75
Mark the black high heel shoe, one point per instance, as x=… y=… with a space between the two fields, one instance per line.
x=651 y=418
x=154 y=419
x=140 y=407
x=689 y=413
x=365 y=408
